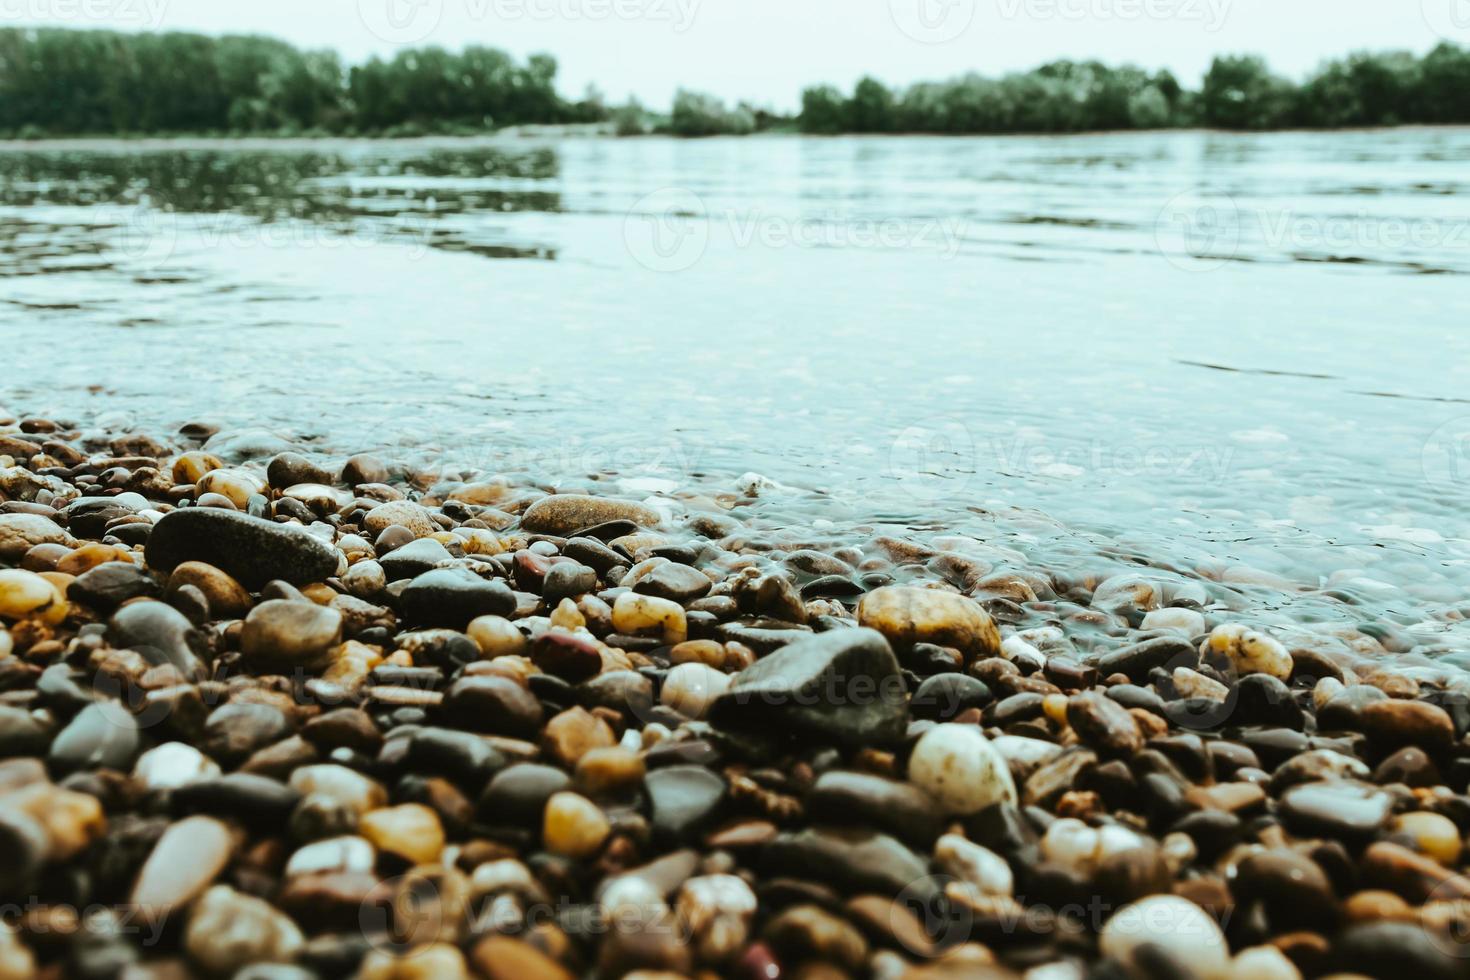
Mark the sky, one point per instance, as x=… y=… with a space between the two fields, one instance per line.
x=766 y=51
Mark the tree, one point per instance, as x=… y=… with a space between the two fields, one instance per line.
x=823 y=110
x=1241 y=93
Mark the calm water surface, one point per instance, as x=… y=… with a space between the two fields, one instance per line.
x=1244 y=357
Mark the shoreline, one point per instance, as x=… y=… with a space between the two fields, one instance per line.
x=523 y=135
x=341 y=717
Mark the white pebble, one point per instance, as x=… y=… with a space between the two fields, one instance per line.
x=174 y=764
x=974 y=865
x=957 y=765
x=1263 y=963
x=1177 y=926
x=691 y=689
x=334 y=854
x=1249 y=651
x=1185 y=621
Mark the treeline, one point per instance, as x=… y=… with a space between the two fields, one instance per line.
x=62 y=82
x=103 y=82
x=1238 y=93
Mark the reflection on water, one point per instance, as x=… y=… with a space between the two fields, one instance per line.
x=1232 y=356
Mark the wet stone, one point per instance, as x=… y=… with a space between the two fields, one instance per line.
x=850 y=859
x=1137 y=660
x=908 y=615
x=897 y=808
x=684 y=799
x=453 y=597
x=252 y=550
x=564 y=514
x=101 y=736
x=842 y=686
x=161 y=634
x=1339 y=809
x=108 y=586
x=493 y=705
x=680 y=583
x=414 y=559
x=1104 y=724
x=282 y=635
x=236 y=731
x=945 y=695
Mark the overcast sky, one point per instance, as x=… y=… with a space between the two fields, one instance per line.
x=767 y=50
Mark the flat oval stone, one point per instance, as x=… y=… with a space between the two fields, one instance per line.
x=184 y=862
x=562 y=514
x=908 y=615
x=853 y=860
x=493 y=705
x=252 y=550
x=101 y=736
x=684 y=799
x=160 y=634
x=897 y=808
x=841 y=686
x=453 y=597
x=1338 y=809
x=20 y=533
x=111 y=584
x=284 y=634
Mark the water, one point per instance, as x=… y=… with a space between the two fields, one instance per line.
x=1236 y=356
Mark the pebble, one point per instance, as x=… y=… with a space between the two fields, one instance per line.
x=161 y=635
x=24 y=595
x=683 y=800
x=493 y=705
x=101 y=736
x=497 y=636
x=454 y=597
x=961 y=770
x=841 y=686
x=251 y=550
x=20 y=533
x=976 y=866
x=1104 y=724
x=1339 y=808
x=716 y=912
x=908 y=615
x=1431 y=834
x=1395 y=723
x=186 y=860
x=897 y=808
x=411 y=831
x=635 y=614
x=108 y=586
x=573 y=733
x=692 y=689
x=508 y=958
x=1138 y=659
x=574 y=826
x=565 y=514
x=228 y=931
x=1177 y=927
x=1185 y=621
x=283 y=635
x=401 y=513
x=1249 y=651
x=227 y=598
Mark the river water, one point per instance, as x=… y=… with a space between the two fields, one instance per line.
x=1241 y=357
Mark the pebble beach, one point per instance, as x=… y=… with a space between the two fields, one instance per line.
x=304 y=716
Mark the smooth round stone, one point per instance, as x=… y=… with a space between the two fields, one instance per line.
x=635 y=614
x=1337 y=809
x=184 y=862
x=173 y=764
x=411 y=831
x=102 y=736
x=228 y=931
x=679 y=583
x=568 y=579
x=402 y=513
x=1137 y=660
x=974 y=865
x=1185 y=621
x=21 y=733
x=109 y=585
x=454 y=597
x=288 y=469
x=572 y=657
x=227 y=598
x=943 y=696
x=574 y=733
x=1250 y=651
x=564 y=514
x=1180 y=929
x=237 y=730
x=517 y=796
x=255 y=800
x=507 y=958
x=20 y=533
x=573 y=826
x=1431 y=834
x=71 y=821
x=1104 y=724
x=1396 y=723
x=957 y=765
x=609 y=772
x=897 y=808
x=493 y=705
x=25 y=594
x=908 y=615
x=1295 y=891
x=683 y=800
x=412 y=559
x=335 y=854
x=366 y=580
x=363 y=469
x=286 y=634
x=1127 y=595
x=252 y=550
x=692 y=688
x=235 y=485
x=851 y=859
x=497 y=636
x=346 y=786
x=717 y=911
x=160 y=634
